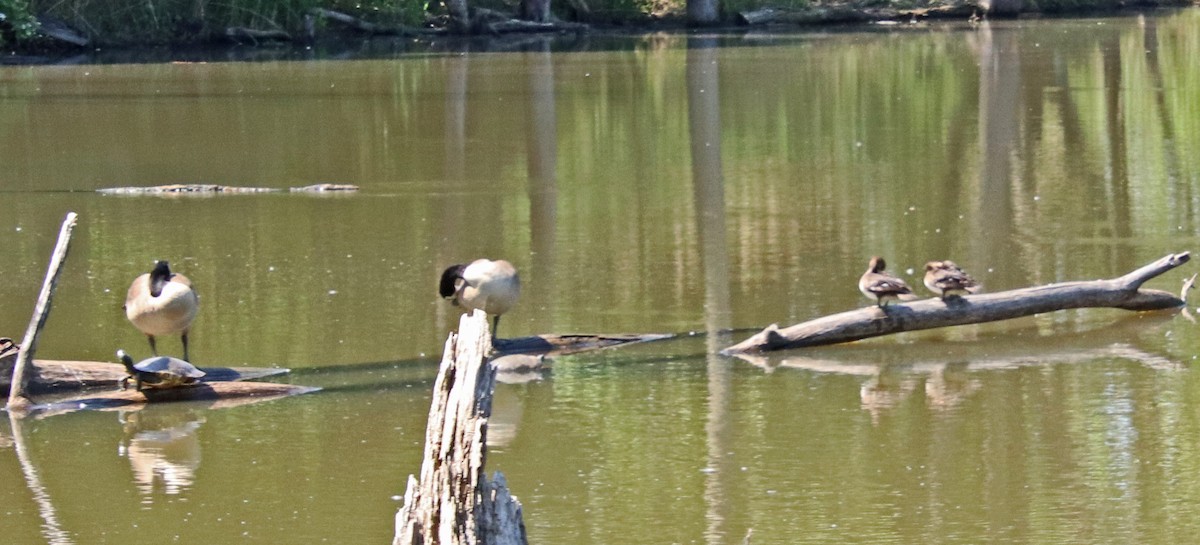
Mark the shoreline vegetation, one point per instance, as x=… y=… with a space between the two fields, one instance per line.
x=33 y=30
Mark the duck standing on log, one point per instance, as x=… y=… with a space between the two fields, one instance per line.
x=161 y=302
x=883 y=286
x=947 y=279
x=483 y=284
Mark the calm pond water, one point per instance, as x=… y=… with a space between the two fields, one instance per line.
x=677 y=184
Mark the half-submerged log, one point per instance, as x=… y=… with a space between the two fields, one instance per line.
x=557 y=345
x=222 y=394
x=454 y=503
x=1123 y=293
x=64 y=376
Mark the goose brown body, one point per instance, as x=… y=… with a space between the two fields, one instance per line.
x=882 y=286
x=161 y=302
x=947 y=279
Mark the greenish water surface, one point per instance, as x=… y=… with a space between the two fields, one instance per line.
x=700 y=185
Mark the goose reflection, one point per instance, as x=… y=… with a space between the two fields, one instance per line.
x=508 y=404
x=162 y=448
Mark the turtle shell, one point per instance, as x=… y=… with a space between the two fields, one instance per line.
x=164 y=366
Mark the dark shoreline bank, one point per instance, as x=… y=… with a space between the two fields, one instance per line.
x=350 y=45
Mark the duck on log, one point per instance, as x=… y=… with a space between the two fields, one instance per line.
x=1124 y=292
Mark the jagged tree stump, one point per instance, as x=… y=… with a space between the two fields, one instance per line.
x=454 y=503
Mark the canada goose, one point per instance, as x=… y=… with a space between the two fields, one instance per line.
x=946 y=279
x=162 y=303
x=882 y=286
x=490 y=286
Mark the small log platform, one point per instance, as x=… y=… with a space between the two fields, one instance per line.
x=58 y=376
x=1123 y=293
x=557 y=345
x=223 y=394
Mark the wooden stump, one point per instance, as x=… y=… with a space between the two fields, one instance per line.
x=454 y=503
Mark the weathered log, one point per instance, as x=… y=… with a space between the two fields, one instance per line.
x=63 y=377
x=550 y=344
x=758 y=16
x=1122 y=293
x=208 y=189
x=17 y=397
x=57 y=29
x=238 y=33
x=496 y=22
x=850 y=14
x=367 y=27
x=454 y=503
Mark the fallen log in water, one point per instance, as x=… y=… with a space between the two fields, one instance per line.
x=557 y=345
x=215 y=189
x=827 y=14
x=64 y=376
x=360 y=25
x=454 y=502
x=238 y=33
x=1122 y=293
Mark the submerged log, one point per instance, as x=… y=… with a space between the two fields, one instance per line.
x=220 y=395
x=1123 y=293
x=454 y=502
x=557 y=345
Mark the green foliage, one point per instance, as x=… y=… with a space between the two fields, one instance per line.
x=17 y=23
x=161 y=21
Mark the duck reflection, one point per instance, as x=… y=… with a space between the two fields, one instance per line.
x=885 y=390
x=945 y=384
x=949 y=385
x=162 y=448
